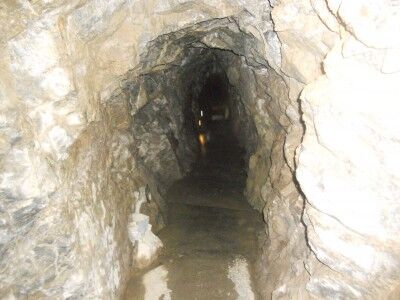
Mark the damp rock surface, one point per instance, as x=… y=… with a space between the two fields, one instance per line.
x=97 y=100
x=211 y=240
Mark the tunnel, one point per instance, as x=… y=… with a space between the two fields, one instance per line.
x=199 y=149
x=210 y=228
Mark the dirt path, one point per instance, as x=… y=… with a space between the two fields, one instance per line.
x=210 y=242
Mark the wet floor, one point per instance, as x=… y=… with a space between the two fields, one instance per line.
x=210 y=243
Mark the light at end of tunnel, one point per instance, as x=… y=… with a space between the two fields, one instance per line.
x=202 y=139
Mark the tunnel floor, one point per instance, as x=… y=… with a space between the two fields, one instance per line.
x=210 y=242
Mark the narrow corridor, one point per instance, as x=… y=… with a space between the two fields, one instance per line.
x=105 y=192
x=210 y=241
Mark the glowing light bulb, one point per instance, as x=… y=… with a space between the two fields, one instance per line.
x=202 y=139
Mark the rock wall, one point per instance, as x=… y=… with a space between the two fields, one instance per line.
x=95 y=105
x=70 y=139
x=350 y=113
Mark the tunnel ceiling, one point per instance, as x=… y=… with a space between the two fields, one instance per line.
x=178 y=48
x=174 y=69
x=94 y=99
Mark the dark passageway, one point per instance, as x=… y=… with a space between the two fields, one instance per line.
x=137 y=137
x=210 y=242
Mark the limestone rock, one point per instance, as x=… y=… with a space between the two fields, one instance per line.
x=96 y=99
x=145 y=242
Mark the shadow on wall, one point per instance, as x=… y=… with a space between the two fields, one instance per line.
x=94 y=96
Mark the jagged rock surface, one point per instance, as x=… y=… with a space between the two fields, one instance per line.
x=95 y=100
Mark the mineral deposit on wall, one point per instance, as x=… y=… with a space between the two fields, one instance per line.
x=95 y=115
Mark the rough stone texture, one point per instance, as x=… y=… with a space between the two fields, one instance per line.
x=95 y=101
x=146 y=243
x=70 y=163
x=350 y=115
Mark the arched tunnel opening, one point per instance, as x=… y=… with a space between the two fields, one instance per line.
x=212 y=235
x=199 y=149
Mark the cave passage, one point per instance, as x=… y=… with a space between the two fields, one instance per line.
x=210 y=241
x=211 y=119
x=230 y=149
